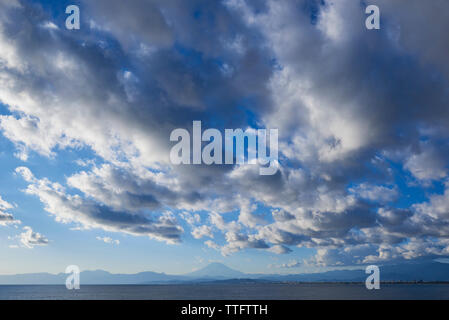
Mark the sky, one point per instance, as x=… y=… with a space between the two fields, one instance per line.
x=86 y=117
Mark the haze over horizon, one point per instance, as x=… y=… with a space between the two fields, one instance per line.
x=218 y=273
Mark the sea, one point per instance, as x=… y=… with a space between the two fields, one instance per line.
x=252 y=291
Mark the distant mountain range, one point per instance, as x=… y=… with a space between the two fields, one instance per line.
x=216 y=271
x=423 y=271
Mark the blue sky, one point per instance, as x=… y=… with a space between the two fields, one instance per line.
x=86 y=116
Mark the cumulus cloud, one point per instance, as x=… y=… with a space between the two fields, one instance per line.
x=30 y=239
x=427 y=164
x=380 y=194
x=353 y=108
x=202 y=231
x=4 y=205
x=279 y=249
x=5 y=217
x=89 y=214
x=212 y=244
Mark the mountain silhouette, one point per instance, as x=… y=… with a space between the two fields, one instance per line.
x=216 y=270
x=418 y=271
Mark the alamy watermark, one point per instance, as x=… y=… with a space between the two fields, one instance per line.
x=73 y=20
x=373 y=20
x=191 y=151
x=73 y=280
x=373 y=280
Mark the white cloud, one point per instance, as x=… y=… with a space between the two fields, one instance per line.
x=30 y=239
x=108 y=240
x=291 y=264
x=5 y=205
x=380 y=194
x=279 y=249
x=428 y=165
x=212 y=244
x=202 y=231
x=5 y=217
x=89 y=214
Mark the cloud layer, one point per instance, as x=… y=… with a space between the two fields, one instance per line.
x=362 y=116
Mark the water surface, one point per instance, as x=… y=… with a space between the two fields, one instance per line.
x=265 y=291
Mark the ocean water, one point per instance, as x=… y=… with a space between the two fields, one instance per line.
x=266 y=291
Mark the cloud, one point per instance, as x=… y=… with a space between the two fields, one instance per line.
x=430 y=164
x=202 y=231
x=5 y=205
x=212 y=244
x=290 y=265
x=143 y=22
x=239 y=241
x=354 y=109
x=30 y=239
x=279 y=249
x=5 y=217
x=380 y=194
x=108 y=240
x=191 y=219
x=88 y=214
